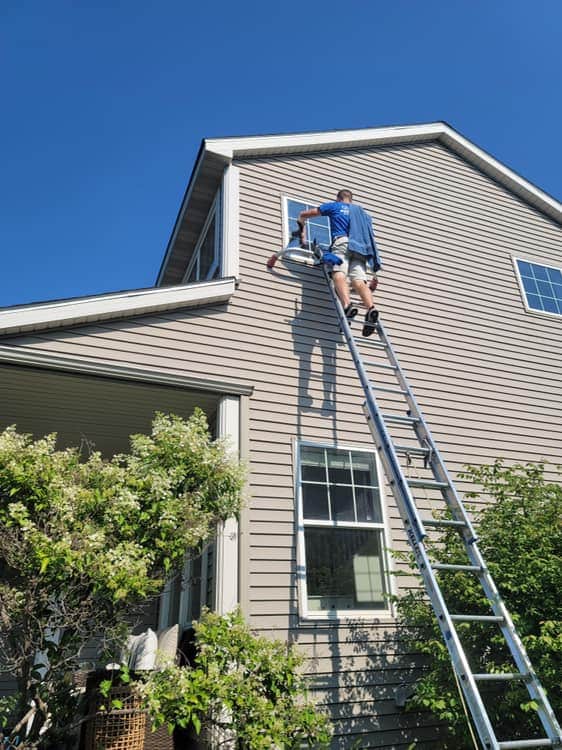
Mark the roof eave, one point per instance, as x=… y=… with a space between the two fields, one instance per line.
x=263 y=146
x=82 y=310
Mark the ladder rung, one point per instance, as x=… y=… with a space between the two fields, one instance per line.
x=515 y=744
x=370 y=342
x=491 y=677
x=381 y=365
x=437 y=522
x=399 y=418
x=451 y=567
x=381 y=389
x=477 y=618
x=403 y=449
x=428 y=484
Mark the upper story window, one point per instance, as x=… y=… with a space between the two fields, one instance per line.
x=341 y=533
x=541 y=285
x=205 y=262
x=317 y=228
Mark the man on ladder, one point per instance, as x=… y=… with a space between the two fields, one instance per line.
x=353 y=248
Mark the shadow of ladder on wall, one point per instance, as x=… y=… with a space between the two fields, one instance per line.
x=440 y=482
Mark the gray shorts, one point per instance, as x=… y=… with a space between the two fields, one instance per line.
x=354 y=266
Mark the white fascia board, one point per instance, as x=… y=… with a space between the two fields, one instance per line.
x=257 y=146
x=102 y=307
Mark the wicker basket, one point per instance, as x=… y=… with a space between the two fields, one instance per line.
x=117 y=729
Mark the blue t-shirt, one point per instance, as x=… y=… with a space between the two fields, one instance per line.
x=338 y=216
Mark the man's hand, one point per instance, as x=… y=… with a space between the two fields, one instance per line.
x=272 y=260
x=373 y=283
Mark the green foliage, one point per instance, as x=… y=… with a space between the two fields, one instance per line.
x=248 y=685
x=520 y=538
x=86 y=540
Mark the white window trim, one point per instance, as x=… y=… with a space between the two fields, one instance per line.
x=532 y=310
x=285 y=214
x=214 y=213
x=347 y=614
x=230 y=222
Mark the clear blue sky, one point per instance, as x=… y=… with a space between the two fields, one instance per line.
x=105 y=105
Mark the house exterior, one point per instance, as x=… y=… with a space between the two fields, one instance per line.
x=471 y=295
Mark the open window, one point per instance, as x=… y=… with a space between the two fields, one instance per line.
x=205 y=262
x=541 y=286
x=317 y=230
x=342 y=536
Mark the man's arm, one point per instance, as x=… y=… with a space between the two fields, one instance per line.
x=303 y=216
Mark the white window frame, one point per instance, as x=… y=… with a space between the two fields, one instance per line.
x=214 y=213
x=532 y=310
x=341 y=615
x=285 y=215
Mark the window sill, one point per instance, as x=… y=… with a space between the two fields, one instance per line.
x=345 y=618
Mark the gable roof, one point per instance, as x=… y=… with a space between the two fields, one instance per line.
x=217 y=151
x=265 y=145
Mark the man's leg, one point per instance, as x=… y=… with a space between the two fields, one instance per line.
x=362 y=289
x=341 y=287
x=358 y=274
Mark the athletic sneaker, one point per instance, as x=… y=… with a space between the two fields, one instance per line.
x=370 y=322
x=350 y=311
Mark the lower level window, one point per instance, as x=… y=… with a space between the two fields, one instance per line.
x=342 y=535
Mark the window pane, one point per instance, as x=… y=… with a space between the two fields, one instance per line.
x=539 y=272
x=545 y=289
x=557 y=290
x=524 y=268
x=364 y=469
x=549 y=304
x=313 y=468
x=344 y=569
x=315 y=502
x=294 y=208
x=534 y=302
x=207 y=251
x=342 y=503
x=339 y=467
x=368 y=504
x=530 y=285
x=554 y=275
x=320 y=234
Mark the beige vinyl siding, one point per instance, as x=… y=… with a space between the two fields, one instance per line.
x=486 y=374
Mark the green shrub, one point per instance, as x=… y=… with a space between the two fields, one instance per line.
x=248 y=686
x=520 y=538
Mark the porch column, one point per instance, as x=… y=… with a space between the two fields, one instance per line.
x=226 y=588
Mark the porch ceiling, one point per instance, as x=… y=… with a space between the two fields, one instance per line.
x=90 y=409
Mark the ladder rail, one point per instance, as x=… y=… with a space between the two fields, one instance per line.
x=416 y=534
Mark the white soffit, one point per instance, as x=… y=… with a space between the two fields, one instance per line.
x=26 y=318
x=269 y=145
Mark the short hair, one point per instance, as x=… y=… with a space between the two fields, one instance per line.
x=344 y=194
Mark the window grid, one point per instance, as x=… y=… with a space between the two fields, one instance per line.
x=541 y=286
x=211 y=226
x=318 y=227
x=376 y=526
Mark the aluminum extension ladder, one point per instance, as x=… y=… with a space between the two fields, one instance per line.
x=402 y=489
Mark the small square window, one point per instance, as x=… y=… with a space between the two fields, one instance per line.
x=541 y=287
